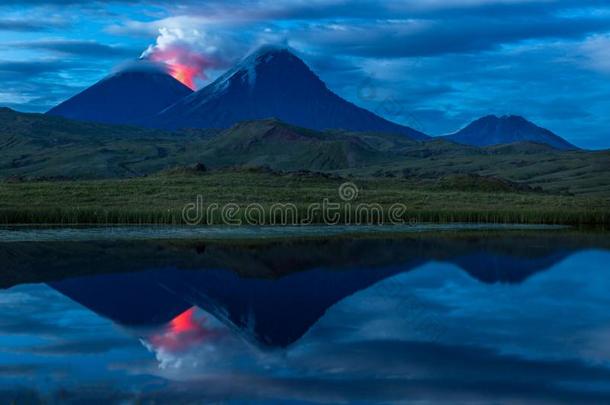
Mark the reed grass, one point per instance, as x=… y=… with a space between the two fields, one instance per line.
x=161 y=200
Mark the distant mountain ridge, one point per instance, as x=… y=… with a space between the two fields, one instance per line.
x=493 y=130
x=273 y=83
x=127 y=97
x=35 y=146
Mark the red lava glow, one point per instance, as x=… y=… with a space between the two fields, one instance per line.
x=182 y=332
x=183 y=64
x=185 y=74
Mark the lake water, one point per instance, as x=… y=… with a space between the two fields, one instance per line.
x=461 y=316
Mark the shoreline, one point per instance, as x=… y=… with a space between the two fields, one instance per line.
x=28 y=233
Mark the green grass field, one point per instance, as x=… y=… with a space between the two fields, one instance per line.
x=160 y=199
x=56 y=171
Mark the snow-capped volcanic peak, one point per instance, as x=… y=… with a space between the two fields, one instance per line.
x=267 y=60
x=273 y=82
x=263 y=55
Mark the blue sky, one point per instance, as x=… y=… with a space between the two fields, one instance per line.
x=432 y=64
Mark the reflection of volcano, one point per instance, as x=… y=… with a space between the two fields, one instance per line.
x=493 y=268
x=182 y=332
x=505 y=258
x=274 y=312
x=272 y=293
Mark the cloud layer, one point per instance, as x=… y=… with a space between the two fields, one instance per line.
x=443 y=62
x=189 y=54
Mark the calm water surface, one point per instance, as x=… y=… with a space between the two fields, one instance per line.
x=460 y=317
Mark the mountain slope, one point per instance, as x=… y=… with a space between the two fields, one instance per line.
x=493 y=130
x=273 y=83
x=45 y=146
x=127 y=97
x=38 y=145
x=273 y=143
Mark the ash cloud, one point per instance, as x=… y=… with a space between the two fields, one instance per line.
x=188 y=54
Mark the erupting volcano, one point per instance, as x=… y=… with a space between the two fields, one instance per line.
x=182 y=65
x=271 y=82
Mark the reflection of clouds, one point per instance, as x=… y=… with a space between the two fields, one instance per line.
x=432 y=334
x=594 y=344
x=205 y=348
x=438 y=302
x=82 y=348
x=14 y=298
x=539 y=318
x=438 y=335
x=191 y=330
x=394 y=371
x=48 y=341
x=43 y=312
x=20 y=312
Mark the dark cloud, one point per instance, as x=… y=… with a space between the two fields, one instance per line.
x=543 y=82
x=34 y=67
x=81 y=48
x=27 y=25
x=64 y=2
x=436 y=37
x=12 y=370
x=337 y=9
x=270 y=10
x=443 y=62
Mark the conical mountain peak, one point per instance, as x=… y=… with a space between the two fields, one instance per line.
x=493 y=130
x=129 y=96
x=273 y=82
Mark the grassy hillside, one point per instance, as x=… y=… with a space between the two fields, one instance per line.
x=34 y=146
x=161 y=199
x=577 y=172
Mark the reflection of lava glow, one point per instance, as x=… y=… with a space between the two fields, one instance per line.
x=182 y=332
x=184 y=322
